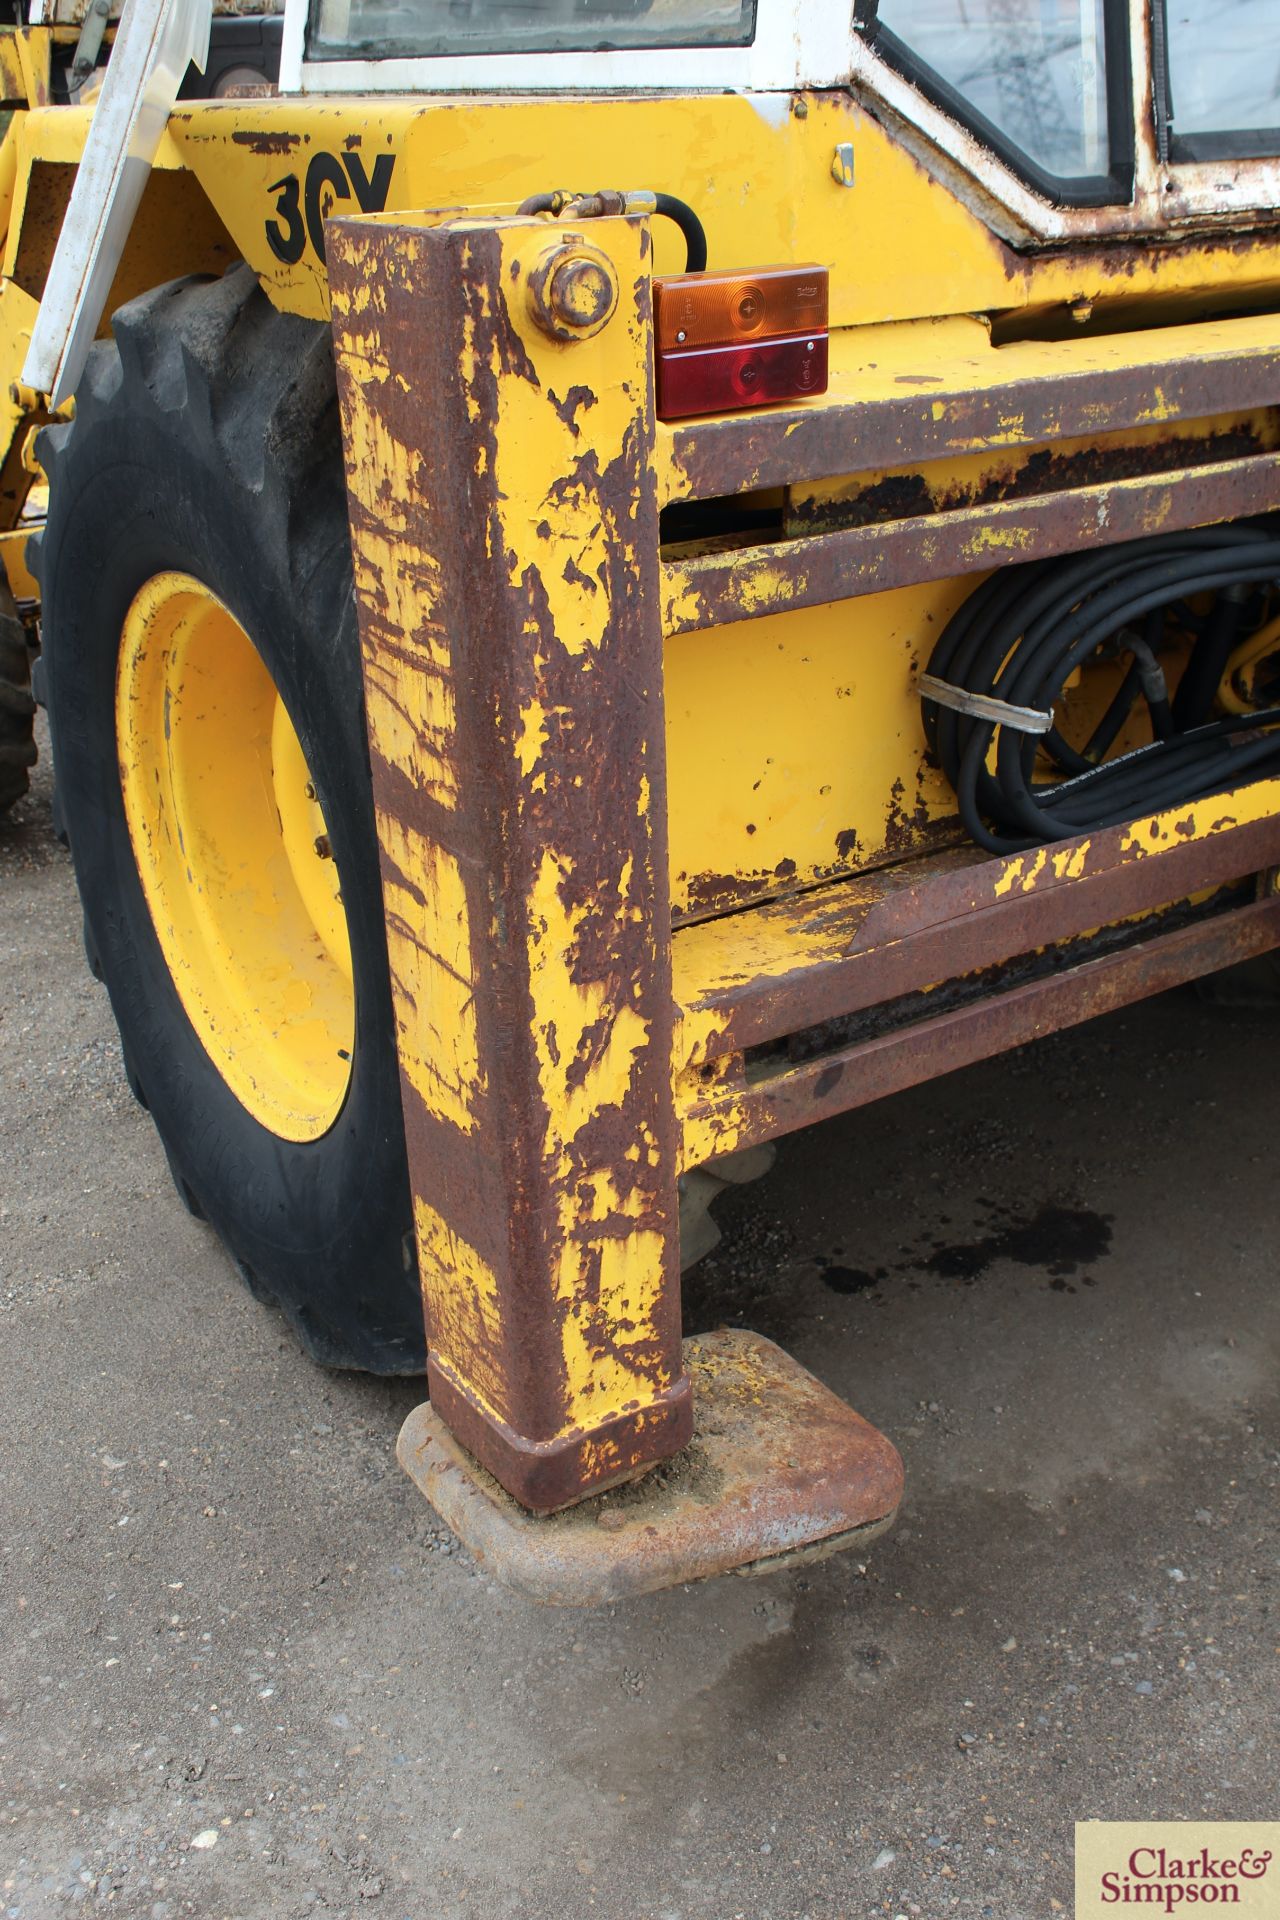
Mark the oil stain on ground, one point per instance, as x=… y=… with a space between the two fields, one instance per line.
x=1060 y=1240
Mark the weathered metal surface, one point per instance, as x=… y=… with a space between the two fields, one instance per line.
x=963 y=163
x=779 y=1470
x=984 y=479
x=13 y=73
x=504 y=528
x=795 y=751
x=924 y=394
x=754 y=977
x=244 y=153
x=731 y=1115
x=813 y=570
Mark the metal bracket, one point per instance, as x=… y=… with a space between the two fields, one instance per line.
x=779 y=1471
x=89 y=45
x=156 y=42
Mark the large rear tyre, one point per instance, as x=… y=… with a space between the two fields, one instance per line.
x=207 y=721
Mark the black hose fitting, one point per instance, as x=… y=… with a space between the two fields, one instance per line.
x=595 y=206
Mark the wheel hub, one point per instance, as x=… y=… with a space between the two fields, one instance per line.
x=233 y=852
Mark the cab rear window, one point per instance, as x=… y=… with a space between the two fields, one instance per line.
x=375 y=29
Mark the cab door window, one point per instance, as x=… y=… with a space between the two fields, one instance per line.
x=1043 y=82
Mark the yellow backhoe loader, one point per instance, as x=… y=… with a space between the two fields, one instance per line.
x=620 y=577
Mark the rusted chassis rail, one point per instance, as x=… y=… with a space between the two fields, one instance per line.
x=564 y=1052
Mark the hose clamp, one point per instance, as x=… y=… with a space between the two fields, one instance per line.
x=983 y=706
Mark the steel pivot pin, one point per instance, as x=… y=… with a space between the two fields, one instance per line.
x=573 y=291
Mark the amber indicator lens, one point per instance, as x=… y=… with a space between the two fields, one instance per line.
x=728 y=379
x=721 y=309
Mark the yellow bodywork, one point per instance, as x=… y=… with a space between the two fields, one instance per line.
x=794 y=741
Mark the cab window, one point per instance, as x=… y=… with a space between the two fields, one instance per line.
x=1223 y=78
x=390 y=29
x=1043 y=82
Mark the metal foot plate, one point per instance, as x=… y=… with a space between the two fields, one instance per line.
x=779 y=1470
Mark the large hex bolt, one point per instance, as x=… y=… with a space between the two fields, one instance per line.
x=573 y=290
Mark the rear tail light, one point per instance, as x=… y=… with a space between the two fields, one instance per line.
x=722 y=379
x=731 y=340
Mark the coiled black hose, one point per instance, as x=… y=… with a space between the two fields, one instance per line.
x=1020 y=637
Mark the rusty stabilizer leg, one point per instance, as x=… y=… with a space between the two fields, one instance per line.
x=496 y=390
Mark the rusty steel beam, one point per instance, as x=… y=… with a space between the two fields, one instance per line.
x=962 y=919
x=714 y=588
x=744 y=1115
x=933 y=419
x=497 y=399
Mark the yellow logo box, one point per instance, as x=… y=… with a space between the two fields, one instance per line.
x=1189 y=1868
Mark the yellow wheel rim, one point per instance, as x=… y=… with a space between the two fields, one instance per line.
x=233 y=853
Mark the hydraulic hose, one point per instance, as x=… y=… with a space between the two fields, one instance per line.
x=1006 y=657
x=695 y=235
x=591 y=206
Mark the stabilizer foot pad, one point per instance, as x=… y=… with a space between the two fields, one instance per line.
x=779 y=1470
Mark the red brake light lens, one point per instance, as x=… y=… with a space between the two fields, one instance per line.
x=726 y=379
x=728 y=341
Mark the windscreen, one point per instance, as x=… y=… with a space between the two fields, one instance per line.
x=387 y=29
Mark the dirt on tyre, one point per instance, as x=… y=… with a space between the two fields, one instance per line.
x=206 y=711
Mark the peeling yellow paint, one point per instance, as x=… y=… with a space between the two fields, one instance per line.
x=578 y=1075
x=429 y=949
x=464 y=1305
x=609 y=1348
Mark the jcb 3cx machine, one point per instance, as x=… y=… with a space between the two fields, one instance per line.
x=619 y=577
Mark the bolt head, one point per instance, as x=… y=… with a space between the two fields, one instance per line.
x=573 y=291
x=581 y=293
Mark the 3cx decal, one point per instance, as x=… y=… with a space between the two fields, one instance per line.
x=300 y=209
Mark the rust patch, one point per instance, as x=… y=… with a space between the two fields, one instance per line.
x=906 y=832
x=939 y=917
x=796 y=1096
x=744 y=452
x=575 y=401
x=708 y=895
x=267 y=143
x=563 y=1190
x=818 y=569
x=911 y=495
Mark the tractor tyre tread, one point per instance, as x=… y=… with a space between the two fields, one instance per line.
x=206 y=440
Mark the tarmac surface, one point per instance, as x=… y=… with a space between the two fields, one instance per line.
x=244 y=1672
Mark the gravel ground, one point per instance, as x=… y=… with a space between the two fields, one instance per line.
x=246 y=1674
